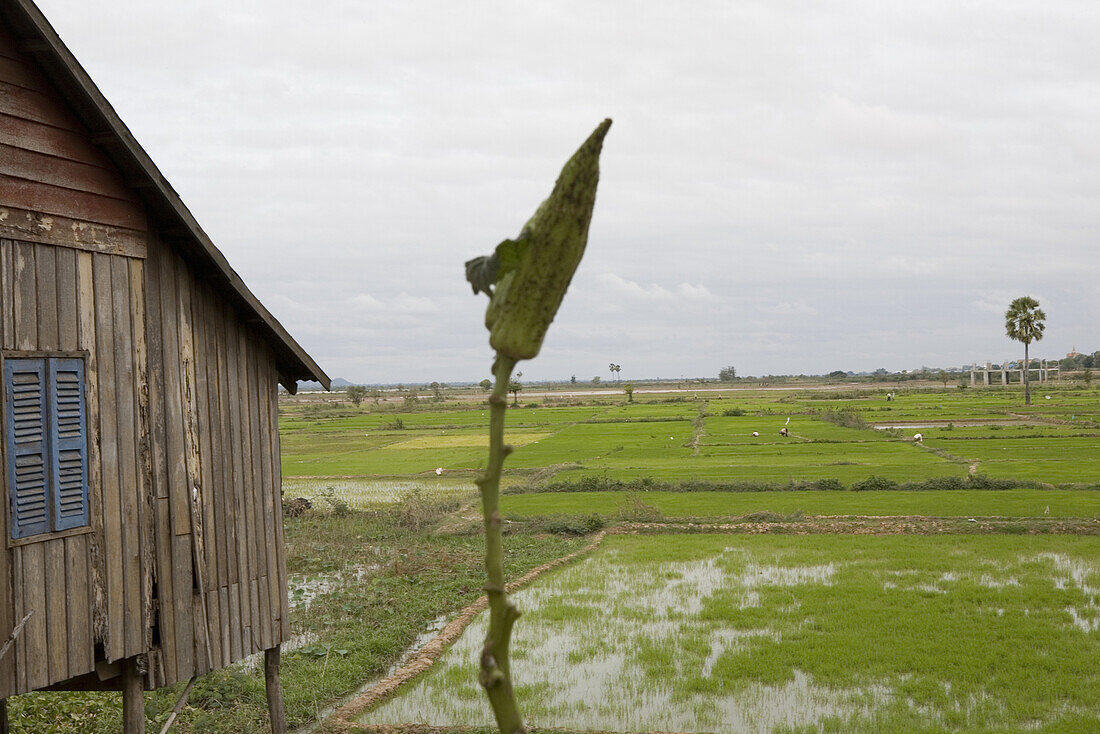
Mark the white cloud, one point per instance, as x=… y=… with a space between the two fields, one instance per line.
x=790 y=308
x=654 y=292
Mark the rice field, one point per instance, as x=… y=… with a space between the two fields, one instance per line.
x=723 y=437
x=772 y=633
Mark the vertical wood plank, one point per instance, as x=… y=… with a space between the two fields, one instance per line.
x=25 y=297
x=266 y=612
x=227 y=495
x=19 y=605
x=239 y=488
x=262 y=624
x=175 y=452
x=214 y=450
x=163 y=573
x=46 y=287
x=272 y=499
x=178 y=492
x=67 y=299
x=81 y=650
x=7 y=601
x=7 y=293
x=109 y=456
x=211 y=539
x=184 y=606
x=224 y=619
x=165 y=594
x=193 y=460
x=56 y=650
x=228 y=456
x=248 y=485
x=86 y=339
x=131 y=492
x=235 y=626
x=146 y=496
x=35 y=632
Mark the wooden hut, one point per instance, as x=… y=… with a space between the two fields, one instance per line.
x=144 y=540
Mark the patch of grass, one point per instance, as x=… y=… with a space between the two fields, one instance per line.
x=382 y=577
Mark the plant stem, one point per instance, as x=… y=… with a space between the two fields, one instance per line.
x=496 y=674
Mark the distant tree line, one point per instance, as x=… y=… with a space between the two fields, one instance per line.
x=1080 y=361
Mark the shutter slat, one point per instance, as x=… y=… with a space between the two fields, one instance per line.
x=69 y=438
x=25 y=386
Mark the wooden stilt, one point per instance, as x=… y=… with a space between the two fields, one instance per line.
x=133 y=699
x=4 y=716
x=276 y=711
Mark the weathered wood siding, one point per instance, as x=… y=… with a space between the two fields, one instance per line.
x=186 y=542
x=216 y=476
x=58 y=185
x=84 y=588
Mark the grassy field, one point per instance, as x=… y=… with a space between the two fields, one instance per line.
x=832 y=436
x=845 y=633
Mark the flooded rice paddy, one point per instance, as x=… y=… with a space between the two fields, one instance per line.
x=776 y=634
x=362 y=493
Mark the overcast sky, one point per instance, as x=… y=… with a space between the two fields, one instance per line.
x=788 y=187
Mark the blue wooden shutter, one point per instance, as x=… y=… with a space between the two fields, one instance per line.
x=27 y=445
x=69 y=443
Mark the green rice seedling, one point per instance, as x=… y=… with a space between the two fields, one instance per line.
x=1083 y=503
x=768 y=633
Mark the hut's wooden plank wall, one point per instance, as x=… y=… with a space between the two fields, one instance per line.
x=181 y=395
x=58 y=299
x=213 y=507
x=214 y=407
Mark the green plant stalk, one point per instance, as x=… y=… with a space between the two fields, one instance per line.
x=496 y=672
x=525 y=280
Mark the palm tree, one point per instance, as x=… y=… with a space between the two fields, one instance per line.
x=1024 y=323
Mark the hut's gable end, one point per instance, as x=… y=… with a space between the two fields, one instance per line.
x=58 y=186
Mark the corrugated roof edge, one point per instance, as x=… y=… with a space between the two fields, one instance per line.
x=175 y=222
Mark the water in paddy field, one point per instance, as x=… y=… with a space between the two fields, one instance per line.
x=359 y=493
x=600 y=686
x=617 y=644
